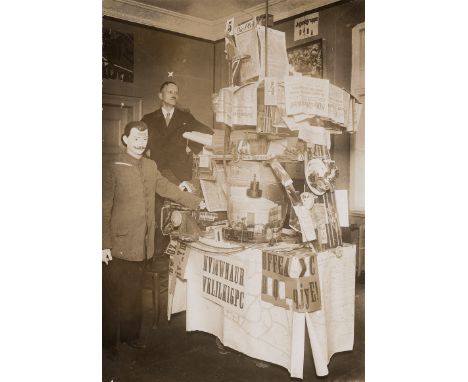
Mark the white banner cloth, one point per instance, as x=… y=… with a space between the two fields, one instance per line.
x=271 y=333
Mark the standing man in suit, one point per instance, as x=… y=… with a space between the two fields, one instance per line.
x=172 y=153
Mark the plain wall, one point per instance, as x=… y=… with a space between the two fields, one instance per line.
x=221 y=72
x=158 y=52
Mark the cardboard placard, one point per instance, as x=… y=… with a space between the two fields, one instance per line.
x=291 y=279
x=223 y=282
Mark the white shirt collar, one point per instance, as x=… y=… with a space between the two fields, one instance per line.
x=165 y=112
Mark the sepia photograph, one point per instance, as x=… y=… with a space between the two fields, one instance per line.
x=216 y=153
x=308 y=58
x=117 y=55
x=233 y=206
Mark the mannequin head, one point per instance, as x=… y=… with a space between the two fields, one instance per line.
x=135 y=138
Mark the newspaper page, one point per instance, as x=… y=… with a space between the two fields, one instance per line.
x=290 y=123
x=270 y=96
x=277 y=57
x=244 y=105
x=340 y=115
x=247 y=44
x=314 y=135
x=293 y=94
x=225 y=113
x=306 y=95
x=274 y=92
x=346 y=98
x=301 y=118
x=178 y=253
x=274 y=96
x=335 y=104
x=214 y=195
x=348 y=112
x=315 y=94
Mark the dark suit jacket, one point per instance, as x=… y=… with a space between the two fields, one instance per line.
x=168 y=147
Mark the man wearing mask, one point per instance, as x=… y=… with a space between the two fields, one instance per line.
x=130 y=184
x=172 y=153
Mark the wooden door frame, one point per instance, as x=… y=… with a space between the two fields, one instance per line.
x=358 y=90
x=122 y=100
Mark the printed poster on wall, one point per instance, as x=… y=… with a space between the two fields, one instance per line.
x=306 y=26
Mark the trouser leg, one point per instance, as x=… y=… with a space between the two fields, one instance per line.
x=110 y=304
x=131 y=301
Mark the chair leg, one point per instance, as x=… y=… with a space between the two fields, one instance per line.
x=155 y=300
x=360 y=250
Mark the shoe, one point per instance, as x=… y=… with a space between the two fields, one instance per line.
x=136 y=344
x=261 y=364
x=221 y=349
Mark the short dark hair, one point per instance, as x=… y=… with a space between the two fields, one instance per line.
x=140 y=125
x=165 y=83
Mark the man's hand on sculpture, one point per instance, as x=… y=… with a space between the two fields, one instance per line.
x=202 y=205
x=106 y=256
x=185 y=186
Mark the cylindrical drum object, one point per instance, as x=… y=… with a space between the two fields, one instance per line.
x=256 y=202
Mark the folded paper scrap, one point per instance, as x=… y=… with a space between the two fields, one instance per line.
x=204 y=139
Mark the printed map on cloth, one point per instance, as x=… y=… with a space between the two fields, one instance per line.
x=271 y=333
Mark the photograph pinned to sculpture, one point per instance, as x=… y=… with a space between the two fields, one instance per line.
x=308 y=58
x=117 y=55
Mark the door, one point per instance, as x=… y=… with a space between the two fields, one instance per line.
x=117 y=111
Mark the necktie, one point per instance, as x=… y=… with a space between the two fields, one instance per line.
x=168 y=119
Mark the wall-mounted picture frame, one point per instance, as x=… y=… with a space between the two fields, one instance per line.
x=308 y=58
x=117 y=55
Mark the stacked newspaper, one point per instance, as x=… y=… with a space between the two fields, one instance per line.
x=266 y=95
